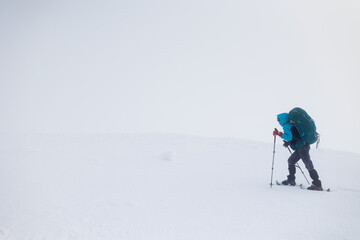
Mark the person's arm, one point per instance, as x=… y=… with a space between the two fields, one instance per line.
x=287 y=135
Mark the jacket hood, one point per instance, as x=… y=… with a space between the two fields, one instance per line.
x=283 y=118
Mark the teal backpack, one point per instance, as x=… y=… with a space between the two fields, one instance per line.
x=305 y=125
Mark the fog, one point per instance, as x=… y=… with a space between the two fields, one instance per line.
x=208 y=68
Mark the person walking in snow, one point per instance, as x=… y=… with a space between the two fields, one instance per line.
x=301 y=149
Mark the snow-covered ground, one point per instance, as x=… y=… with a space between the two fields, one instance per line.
x=104 y=187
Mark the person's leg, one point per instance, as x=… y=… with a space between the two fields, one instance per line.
x=305 y=157
x=293 y=159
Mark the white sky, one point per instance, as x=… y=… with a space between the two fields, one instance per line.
x=211 y=68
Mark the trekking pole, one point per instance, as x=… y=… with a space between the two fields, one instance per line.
x=298 y=166
x=272 y=167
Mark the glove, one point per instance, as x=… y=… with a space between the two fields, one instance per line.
x=276 y=132
x=286 y=144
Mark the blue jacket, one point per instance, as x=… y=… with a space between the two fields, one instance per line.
x=284 y=122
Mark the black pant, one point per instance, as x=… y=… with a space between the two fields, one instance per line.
x=303 y=154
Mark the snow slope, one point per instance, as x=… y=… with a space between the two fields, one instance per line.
x=93 y=187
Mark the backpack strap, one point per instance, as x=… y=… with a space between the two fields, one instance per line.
x=318 y=140
x=298 y=139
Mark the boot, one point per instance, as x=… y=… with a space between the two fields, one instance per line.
x=316 y=183
x=315 y=187
x=289 y=181
x=291 y=177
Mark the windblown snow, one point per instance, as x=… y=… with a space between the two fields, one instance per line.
x=143 y=187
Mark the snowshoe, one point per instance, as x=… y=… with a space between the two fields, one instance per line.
x=288 y=182
x=315 y=188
